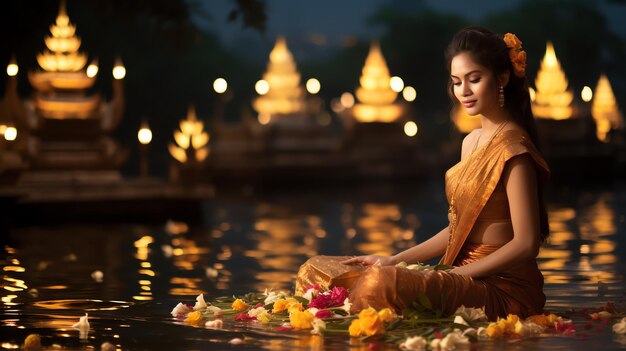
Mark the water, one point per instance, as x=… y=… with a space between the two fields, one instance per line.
x=257 y=240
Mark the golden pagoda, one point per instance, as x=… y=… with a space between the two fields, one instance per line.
x=552 y=99
x=68 y=127
x=191 y=140
x=376 y=99
x=284 y=95
x=605 y=110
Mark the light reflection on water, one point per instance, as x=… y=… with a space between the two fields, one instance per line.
x=254 y=244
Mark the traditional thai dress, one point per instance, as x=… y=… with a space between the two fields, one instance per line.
x=481 y=196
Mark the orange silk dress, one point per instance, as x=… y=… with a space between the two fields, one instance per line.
x=481 y=196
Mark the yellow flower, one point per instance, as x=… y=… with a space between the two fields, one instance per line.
x=301 y=320
x=239 y=305
x=370 y=322
x=194 y=318
x=295 y=307
x=282 y=304
x=264 y=317
x=355 y=329
x=386 y=315
x=494 y=330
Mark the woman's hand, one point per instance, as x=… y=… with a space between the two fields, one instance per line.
x=371 y=260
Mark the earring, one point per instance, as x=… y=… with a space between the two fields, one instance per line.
x=501 y=96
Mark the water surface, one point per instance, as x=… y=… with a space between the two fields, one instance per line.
x=255 y=239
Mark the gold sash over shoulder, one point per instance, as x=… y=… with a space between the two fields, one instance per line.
x=485 y=169
x=517 y=290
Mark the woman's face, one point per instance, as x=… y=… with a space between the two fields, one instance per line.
x=473 y=85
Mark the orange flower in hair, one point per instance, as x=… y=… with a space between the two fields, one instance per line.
x=516 y=54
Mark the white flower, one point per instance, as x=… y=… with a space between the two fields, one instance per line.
x=213 y=309
x=179 y=309
x=481 y=333
x=452 y=340
x=271 y=297
x=414 y=343
x=471 y=314
x=620 y=327
x=460 y=320
x=310 y=294
x=470 y=331
x=346 y=305
x=200 y=303
x=215 y=324
x=319 y=326
x=528 y=329
x=82 y=326
x=256 y=311
x=434 y=344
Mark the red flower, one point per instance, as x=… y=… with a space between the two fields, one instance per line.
x=323 y=314
x=245 y=317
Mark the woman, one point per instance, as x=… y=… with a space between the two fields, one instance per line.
x=497 y=218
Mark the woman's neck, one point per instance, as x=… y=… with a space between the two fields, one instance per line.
x=491 y=122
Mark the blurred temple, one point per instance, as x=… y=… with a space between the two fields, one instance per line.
x=64 y=127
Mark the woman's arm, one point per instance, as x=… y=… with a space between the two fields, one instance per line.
x=433 y=247
x=520 y=180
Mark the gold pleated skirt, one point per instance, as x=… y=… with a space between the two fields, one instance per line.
x=518 y=290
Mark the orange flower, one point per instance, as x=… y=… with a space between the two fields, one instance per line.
x=386 y=315
x=370 y=322
x=494 y=330
x=355 y=329
x=239 y=305
x=512 y=41
x=516 y=54
x=194 y=318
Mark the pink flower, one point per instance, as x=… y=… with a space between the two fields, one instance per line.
x=338 y=295
x=245 y=317
x=323 y=314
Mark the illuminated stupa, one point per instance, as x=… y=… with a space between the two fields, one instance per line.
x=191 y=140
x=376 y=99
x=552 y=99
x=284 y=95
x=67 y=128
x=605 y=110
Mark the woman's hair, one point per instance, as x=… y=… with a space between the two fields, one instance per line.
x=489 y=50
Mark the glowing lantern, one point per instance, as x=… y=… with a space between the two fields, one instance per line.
x=262 y=87
x=92 y=69
x=12 y=68
x=220 y=85
x=10 y=133
x=410 y=128
x=586 y=94
x=396 y=84
x=409 y=94
x=119 y=71
x=605 y=110
x=145 y=134
x=313 y=86
x=552 y=99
